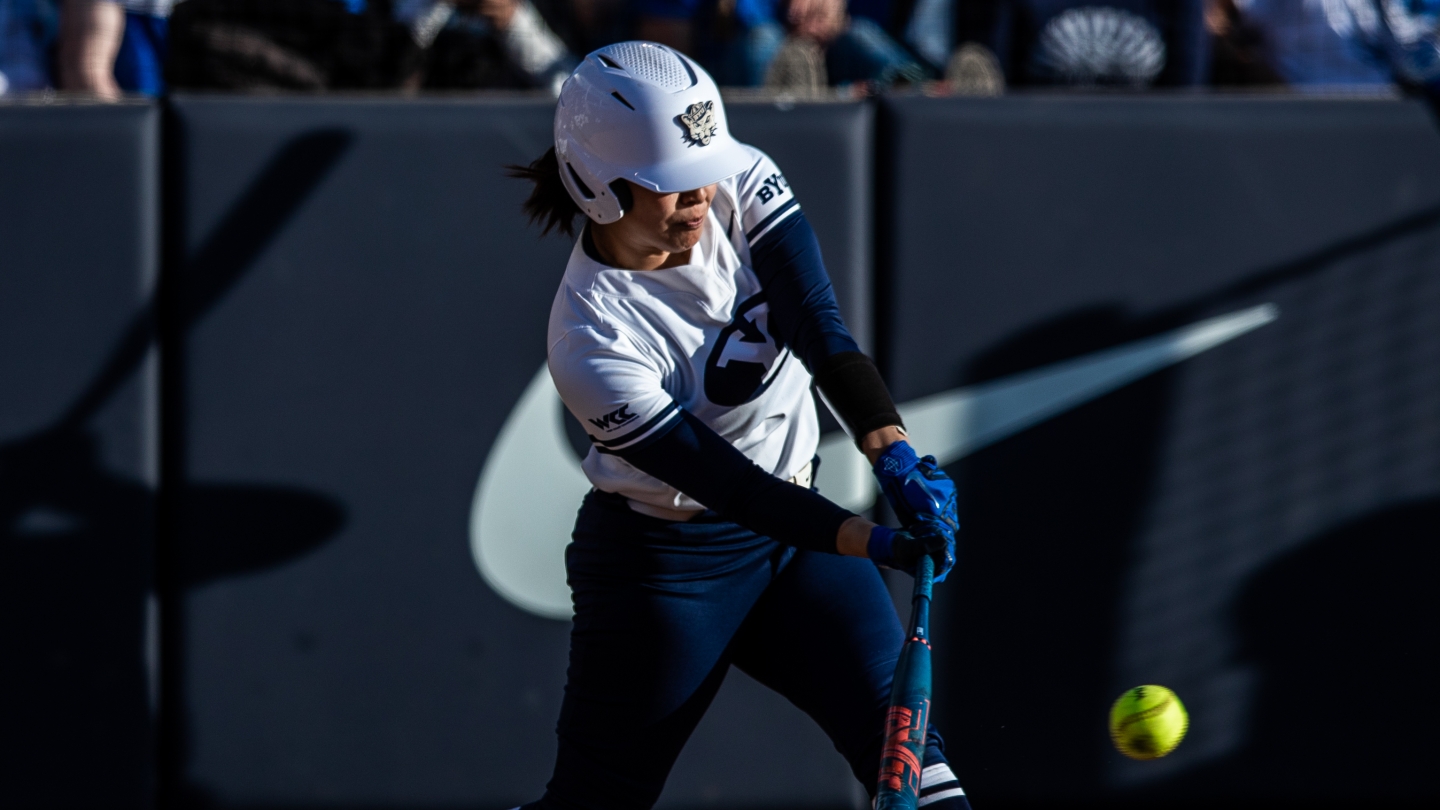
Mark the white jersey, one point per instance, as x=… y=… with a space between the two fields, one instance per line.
x=629 y=348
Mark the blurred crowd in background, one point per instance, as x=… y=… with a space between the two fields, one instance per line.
x=108 y=48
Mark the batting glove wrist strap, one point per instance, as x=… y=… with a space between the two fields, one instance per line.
x=881 y=548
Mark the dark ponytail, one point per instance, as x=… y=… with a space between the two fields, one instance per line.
x=549 y=203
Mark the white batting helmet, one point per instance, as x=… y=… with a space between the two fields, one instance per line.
x=642 y=112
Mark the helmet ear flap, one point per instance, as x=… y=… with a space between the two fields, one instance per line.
x=600 y=202
x=579 y=184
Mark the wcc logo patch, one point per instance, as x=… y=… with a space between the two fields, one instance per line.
x=742 y=363
x=614 y=419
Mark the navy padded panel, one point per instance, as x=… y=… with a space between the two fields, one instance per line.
x=1019 y=208
x=78 y=447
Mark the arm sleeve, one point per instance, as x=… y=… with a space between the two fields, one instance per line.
x=804 y=314
x=611 y=385
x=700 y=463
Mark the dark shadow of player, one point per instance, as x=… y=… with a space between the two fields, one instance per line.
x=1342 y=634
x=77 y=578
x=79 y=571
x=1050 y=517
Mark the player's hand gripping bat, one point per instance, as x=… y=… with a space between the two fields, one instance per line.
x=909 y=715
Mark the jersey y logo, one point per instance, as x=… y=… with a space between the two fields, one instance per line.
x=614 y=419
x=739 y=366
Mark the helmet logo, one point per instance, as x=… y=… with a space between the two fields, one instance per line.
x=699 y=122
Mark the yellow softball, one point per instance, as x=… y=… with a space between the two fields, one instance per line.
x=1147 y=722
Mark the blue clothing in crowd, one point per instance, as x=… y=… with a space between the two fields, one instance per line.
x=737 y=58
x=27 y=31
x=140 y=63
x=750 y=12
x=1306 y=50
x=863 y=52
x=1399 y=38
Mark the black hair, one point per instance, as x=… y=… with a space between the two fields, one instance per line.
x=549 y=203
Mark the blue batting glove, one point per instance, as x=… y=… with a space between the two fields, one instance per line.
x=902 y=549
x=916 y=487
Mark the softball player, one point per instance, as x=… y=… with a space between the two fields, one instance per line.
x=694 y=316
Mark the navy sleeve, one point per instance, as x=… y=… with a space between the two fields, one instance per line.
x=700 y=463
x=805 y=316
x=803 y=311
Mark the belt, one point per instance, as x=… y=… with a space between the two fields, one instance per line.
x=804 y=478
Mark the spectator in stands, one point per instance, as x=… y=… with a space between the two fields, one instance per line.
x=1240 y=51
x=733 y=39
x=27 y=30
x=1402 y=38
x=487 y=43
x=1352 y=42
x=827 y=46
x=317 y=45
x=934 y=26
x=595 y=22
x=1135 y=43
x=738 y=40
x=112 y=46
x=305 y=45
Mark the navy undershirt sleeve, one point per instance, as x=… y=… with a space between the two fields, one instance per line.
x=803 y=312
x=699 y=462
x=805 y=316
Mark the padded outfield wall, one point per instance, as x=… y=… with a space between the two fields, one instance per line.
x=1181 y=355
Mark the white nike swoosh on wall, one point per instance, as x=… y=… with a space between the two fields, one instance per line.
x=524 y=505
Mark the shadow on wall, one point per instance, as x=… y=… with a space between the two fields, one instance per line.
x=1028 y=635
x=210 y=532
x=1342 y=633
x=75 y=577
x=80 y=616
x=78 y=580
x=1049 y=518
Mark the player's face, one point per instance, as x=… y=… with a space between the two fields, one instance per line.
x=657 y=231
x=667 y=222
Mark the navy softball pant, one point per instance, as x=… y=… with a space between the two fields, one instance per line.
x=663 y=609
